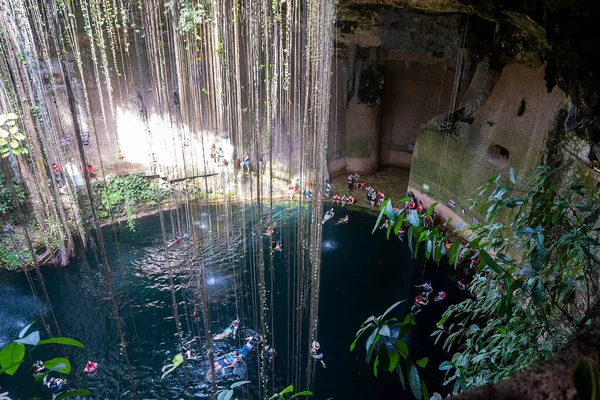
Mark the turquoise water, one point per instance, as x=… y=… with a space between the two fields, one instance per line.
x=362 y=274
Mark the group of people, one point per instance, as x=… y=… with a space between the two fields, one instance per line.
x=227 y=360
x=345 y=199
x=329 y=215
x=218 y=157
x=57 y=384
x=422 y=299
x=294 y=187
x=275 y=244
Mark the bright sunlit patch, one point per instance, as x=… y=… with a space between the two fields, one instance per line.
x=329 y=245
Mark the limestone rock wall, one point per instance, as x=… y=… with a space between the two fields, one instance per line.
x=509 y=129
x=395 y=69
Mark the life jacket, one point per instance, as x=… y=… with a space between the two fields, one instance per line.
x=442 y=295
x=90 y=369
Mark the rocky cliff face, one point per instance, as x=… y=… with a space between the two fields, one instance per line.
x=488 y=77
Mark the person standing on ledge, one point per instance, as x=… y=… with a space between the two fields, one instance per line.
x=356 y=180
x=350 y=181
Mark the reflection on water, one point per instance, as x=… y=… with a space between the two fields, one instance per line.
x=361 y=275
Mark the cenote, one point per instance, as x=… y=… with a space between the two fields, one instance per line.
x=168 y=169
x=359 y=275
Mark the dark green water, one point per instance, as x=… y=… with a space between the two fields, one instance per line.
x=361 y=275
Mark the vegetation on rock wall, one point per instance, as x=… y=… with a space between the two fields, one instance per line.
x=535 y=285
x=124 y=196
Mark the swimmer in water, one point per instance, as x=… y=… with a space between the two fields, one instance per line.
x=342 y=220
x=231 y=330
x=270 y=352
x=427 y=289
x=441 y=296
x=461 y=285
x=55 y=384
x=37 y=368
x=251 y=341
x=270 y=231
x=190 y=354
x=222 y=363
x=176 y=362
x=316 y=353
x=177 y=240
x=328 y=215
x=421 y=301
x=90 y=368
x=276 y=246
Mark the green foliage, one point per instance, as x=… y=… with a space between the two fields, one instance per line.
x=398 y=358
x=10 y=195
x=10 y=137
x=535 y=282
x=13 y=251
x=226 y=394
x=13 y=355
x=53 y=235
x=290 y=390
x=191 y=14
x=121 y=196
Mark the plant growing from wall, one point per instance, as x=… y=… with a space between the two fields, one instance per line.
x=11 y=140
x=121 y=196
x=191 y=14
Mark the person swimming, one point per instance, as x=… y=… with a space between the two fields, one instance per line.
x=316 y=353
x=251 y=341
x=177 y=240
x=270 y=352
x=229 y=360
x=90 y=368
x=421 y=301
x=176 y=362
x=37 y=368
x=276 y=246
x=342 y=220
x=231 y=330
x=55 y=384
x=461 y=285
x=270 y=231
x=441 y=296
x=328 y=215
x=427 y=288
x=190 y=354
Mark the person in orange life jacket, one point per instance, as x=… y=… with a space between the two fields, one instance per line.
x=420 y=207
